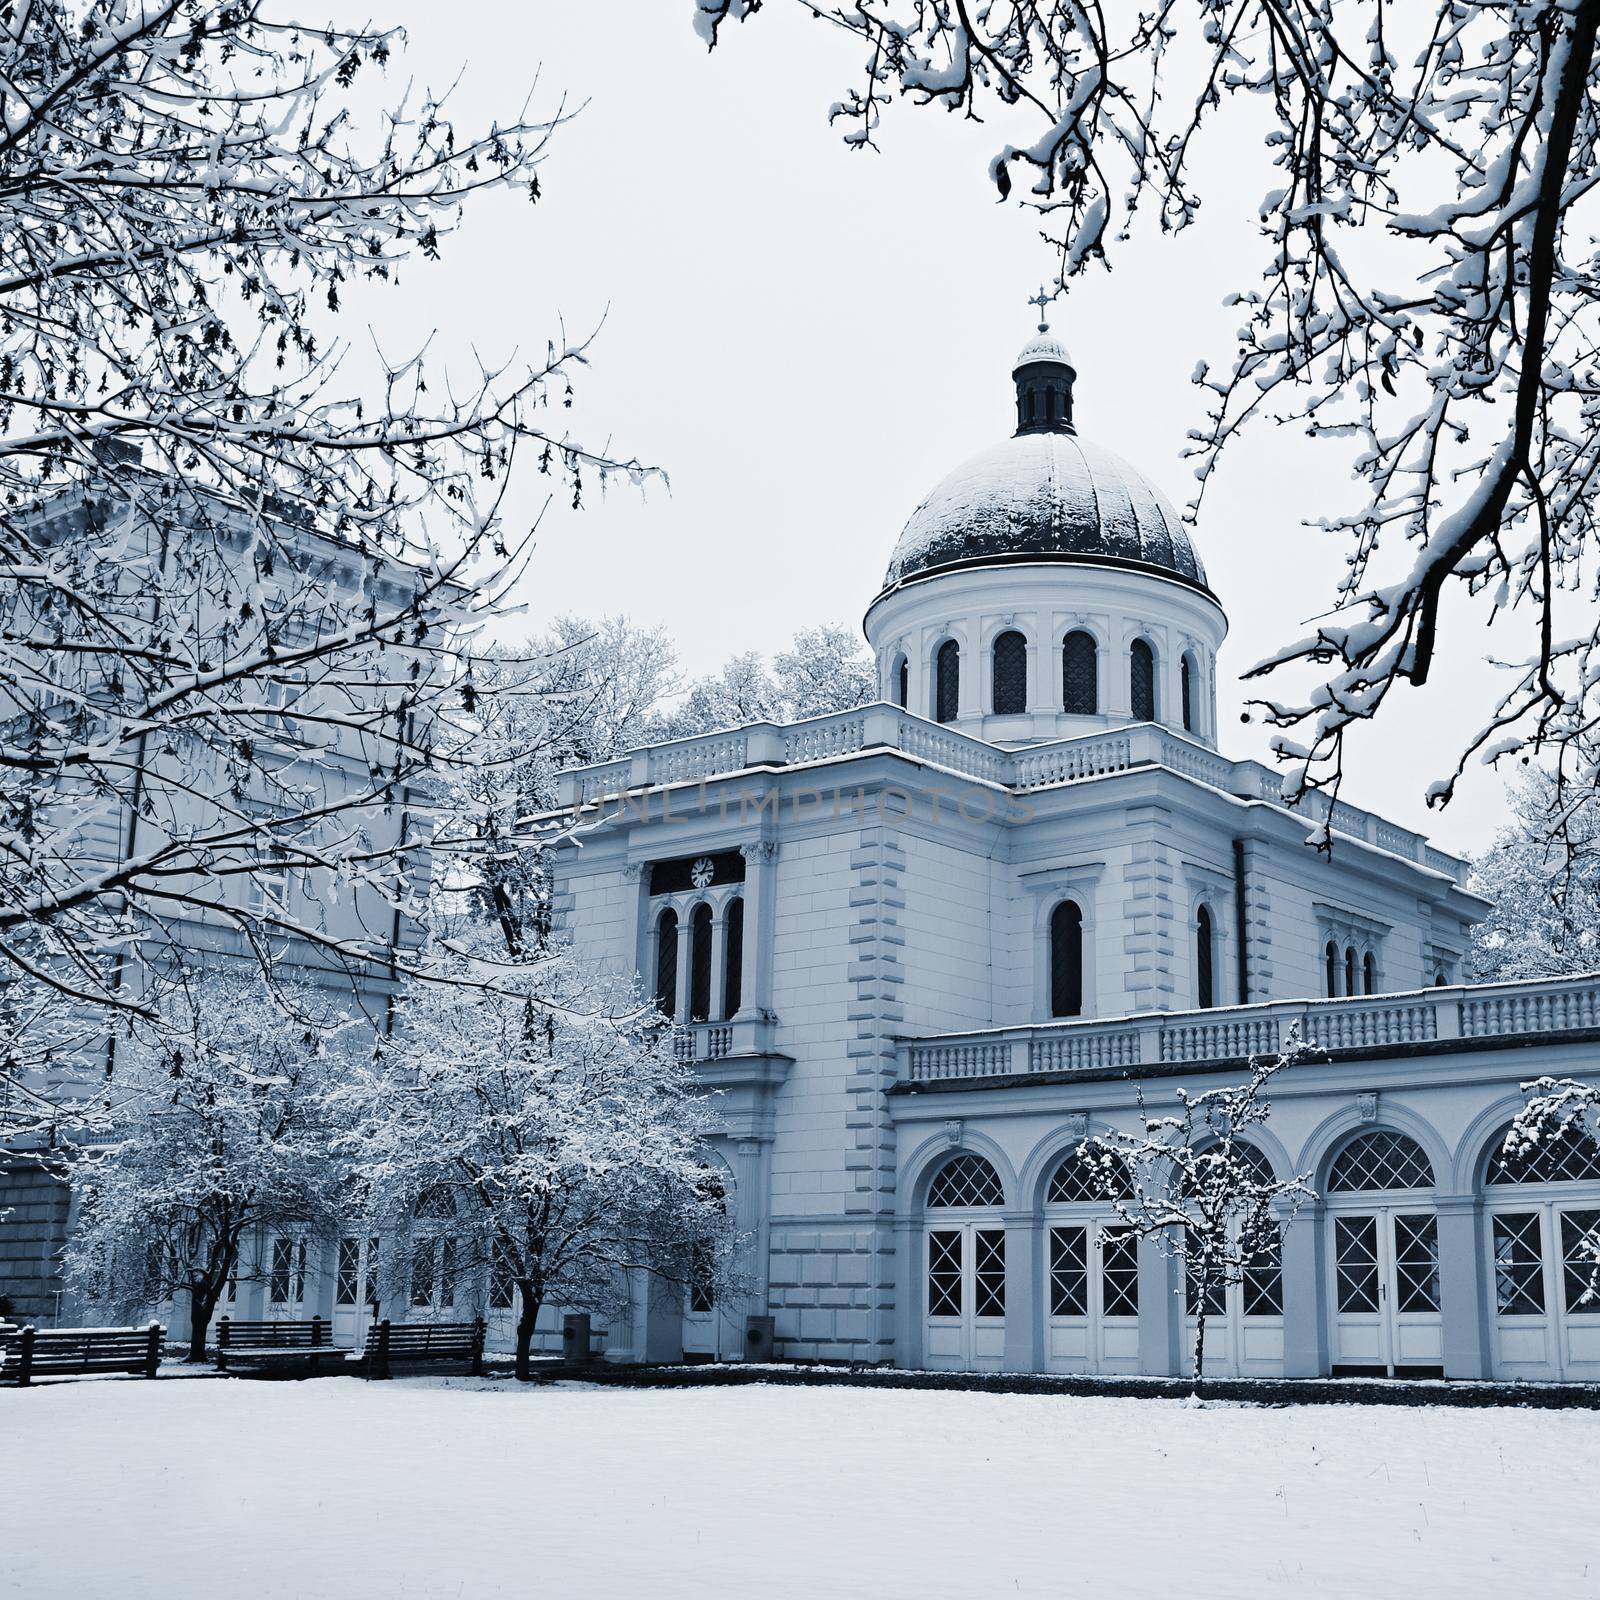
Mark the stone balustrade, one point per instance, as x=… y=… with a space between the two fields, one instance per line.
x=1234 y=1033
x=765 y=746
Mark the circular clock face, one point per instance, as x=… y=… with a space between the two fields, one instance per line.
x=701 y=873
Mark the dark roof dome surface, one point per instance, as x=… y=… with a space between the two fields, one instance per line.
x=1045 y=494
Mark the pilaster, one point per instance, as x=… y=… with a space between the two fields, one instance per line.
x=1305 y=1340
x=1462 y=1299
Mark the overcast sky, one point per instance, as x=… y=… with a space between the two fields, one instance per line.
x=808 y=338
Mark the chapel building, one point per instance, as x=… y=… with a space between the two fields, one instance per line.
x=921 y=949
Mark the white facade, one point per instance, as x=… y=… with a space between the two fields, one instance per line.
x=966 y=929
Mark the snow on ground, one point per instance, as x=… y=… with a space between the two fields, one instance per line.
x=421 y=1488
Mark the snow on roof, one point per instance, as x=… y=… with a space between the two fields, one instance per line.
x=1041 y=496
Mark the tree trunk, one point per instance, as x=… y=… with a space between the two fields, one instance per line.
x=201 y=1305
x=530 y=1303
x=1200 y=1337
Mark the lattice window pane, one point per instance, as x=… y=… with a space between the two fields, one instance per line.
x=700 y=963
x=701 y=1277
x=1416 y=1263
x=1010 y=675
x=944 y=1273
x=989 y=1272
x=373 y=1259
x=282 y=1277
x=733 y=960
x=1069 y=1272
x=1098 y=1176
x=966 y=1180
x=1381 y=1160
x=1355 y=1256
x=1580 y=1261
x=1142 y=681
x=1216 y=1300
x=1263 y=1279
x=448 y=1253
x=667 y=964
x=502 y=1283
x=347 y=1276
x=1518 y=1264
x=1080 y=685
x=1066 y=960
x=947 y=682
x=1569 y=1157
x=1119 y=1273
x=422 y=1252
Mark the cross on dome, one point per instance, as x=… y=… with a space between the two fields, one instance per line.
x=1042 y=300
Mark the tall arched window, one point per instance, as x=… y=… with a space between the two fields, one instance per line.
x=733 y=959
x=1369 y=974
x=1066 y=960
x=1010 y=674
x=1080 y=688
x=1204 y=959
x=1186 y=682
x=1350 y=970
x=947 y=682
x=700 y=963
x=667 y=963
x=902 y=683
x=1142 y=680
x=1331 y=956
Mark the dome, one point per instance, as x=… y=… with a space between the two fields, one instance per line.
x=1045 y=495
x=1044 y=346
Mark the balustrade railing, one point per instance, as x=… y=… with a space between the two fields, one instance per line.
x=1041 y=766
x=1234 y=1033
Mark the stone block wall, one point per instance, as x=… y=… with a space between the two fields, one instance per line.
x=33 y=1228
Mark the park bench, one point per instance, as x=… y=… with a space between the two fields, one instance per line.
x=423 y=1344
x=284 y=1343
x=71 y=1352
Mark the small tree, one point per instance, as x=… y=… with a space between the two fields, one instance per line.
x=1201 y=1188
x=218 y=1130
x=1559 y=1109
x=568 y=1139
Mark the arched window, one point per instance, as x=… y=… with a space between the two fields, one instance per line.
x=1369 y=974
x=1204 y=959
x=434 y=1252
x=1331 y=956
x=1186 y=682
x=700 y=963
x=1570 y=1156
x=1010 y=674
x=1099 y=1176
x=1142 y=681
x=667 y=963
x=1066 y=960
x=1381 y=1159
x=1080 y=688
x=902 y=683
x=733 y=958
x=947 y=682
x=966 y=1181
x=1350 y=970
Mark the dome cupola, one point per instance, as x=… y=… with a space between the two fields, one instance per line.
x=1043 y=546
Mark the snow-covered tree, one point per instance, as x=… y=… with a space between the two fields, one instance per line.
x=236 y=579
x=1422 y=299
x=214 y=1128
x=1543 y=875
x=558 y=1130
x=1202 y=1188
x=824 y=669
x=1558 y=1110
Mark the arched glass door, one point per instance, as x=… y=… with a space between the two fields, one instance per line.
x=1091 y=1272
x=1542 y=1228
x=964 y=1268
x=1384 y=1257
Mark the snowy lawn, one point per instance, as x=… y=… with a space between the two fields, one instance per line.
x=124 y=1490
